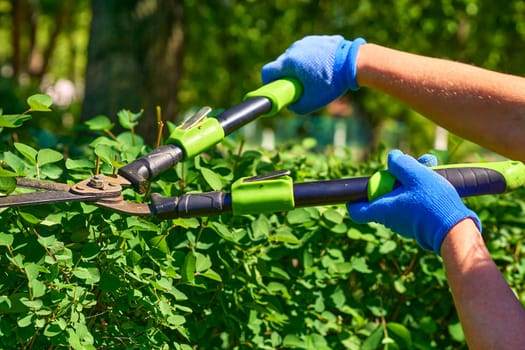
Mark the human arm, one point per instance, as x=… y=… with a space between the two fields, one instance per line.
x=480 y=105
x=490 y=314
x=483 y=106
x=427 y=208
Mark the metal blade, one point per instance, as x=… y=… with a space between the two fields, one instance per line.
x=42 y=184
x=119 y=205
x=47 y=197
x=196 y=118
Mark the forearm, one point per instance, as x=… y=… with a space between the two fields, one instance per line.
x=491 y=315
x=480 y=105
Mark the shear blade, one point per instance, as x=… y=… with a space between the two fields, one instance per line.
x=42 y=184
x=47 y=197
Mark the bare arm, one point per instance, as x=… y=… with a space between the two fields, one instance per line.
x=490 y=314
x=480 y=105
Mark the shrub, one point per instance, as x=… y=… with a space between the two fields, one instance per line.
x=82 y=277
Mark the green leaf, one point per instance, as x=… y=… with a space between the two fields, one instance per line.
x=6 y=239
x=260 y=228
x=107 y=153
x=316 y=342
x=127 y=119
x=456 y=331
x=141 y=224
x=13 y=121
x=14 y=162
x=90 y=251
x=298 y=216
x=47 y=156
x=186 y=222
x=7 y=184
x=285 y=235
x=333 y=216
x=5 y=304
x=160 y=243
x=293 y=341
x=387 y=247
x=32 y=304
x=278 y=272
x=212 y=179
x=7 y=173
x=76 y=164
x=374 y=339
x=360 y=265
x=202 y=262
x=27 y=151
x=90 y=274
x=211 y=274
x=51 y=171
x=99 y=123
x=188 y=268
x=400 y=334
x=30 y=218
x=399 y=286
x=355 y=234
x=176 y=320
x=38 y=288
x=40 y=103
x=25 y=321
x=55 y=328
x=32 y=270
x=227 y=234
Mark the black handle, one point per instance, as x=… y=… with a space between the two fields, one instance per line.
x=468 y=181
x=474 y=181
x=326 y=192
x=267 y=100
x=191 y=205
x=245 y=112
x=146 y=168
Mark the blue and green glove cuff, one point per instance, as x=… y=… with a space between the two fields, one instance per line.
x=346 y=61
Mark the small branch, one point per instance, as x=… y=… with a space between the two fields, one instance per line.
x=160 y=127
x=97 y=166
x=110 y=134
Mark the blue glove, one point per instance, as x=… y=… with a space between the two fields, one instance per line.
x=425 y=207
x=325 y=65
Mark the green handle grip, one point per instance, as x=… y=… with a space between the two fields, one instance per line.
x=280 y=92
x=255 y=195
x=469 y=179
x=208 y=131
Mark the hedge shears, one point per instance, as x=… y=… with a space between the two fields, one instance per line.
x=272 y=192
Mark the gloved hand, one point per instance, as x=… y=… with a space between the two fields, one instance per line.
x=425 y=207
x=325 y=65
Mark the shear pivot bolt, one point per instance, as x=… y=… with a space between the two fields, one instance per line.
x=97 y=182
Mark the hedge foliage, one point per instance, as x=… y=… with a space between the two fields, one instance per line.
x=81 y=277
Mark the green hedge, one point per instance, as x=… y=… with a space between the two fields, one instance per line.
x=81 y=277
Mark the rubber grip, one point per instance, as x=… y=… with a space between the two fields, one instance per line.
x=144 y=169
x=191 y=205
x=474 y=181
x=467 y=180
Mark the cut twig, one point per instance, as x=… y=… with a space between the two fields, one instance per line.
x=160 y=126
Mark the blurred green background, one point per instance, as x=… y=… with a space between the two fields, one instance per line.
x=97 y=57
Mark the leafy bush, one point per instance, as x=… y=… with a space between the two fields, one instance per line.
x=82 y=277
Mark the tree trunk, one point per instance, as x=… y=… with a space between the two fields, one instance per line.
x=134 y=60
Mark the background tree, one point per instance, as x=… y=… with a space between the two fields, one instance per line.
x=182 y=55
x=134 y=59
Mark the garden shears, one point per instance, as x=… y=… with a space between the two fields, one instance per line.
x=250 y=195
